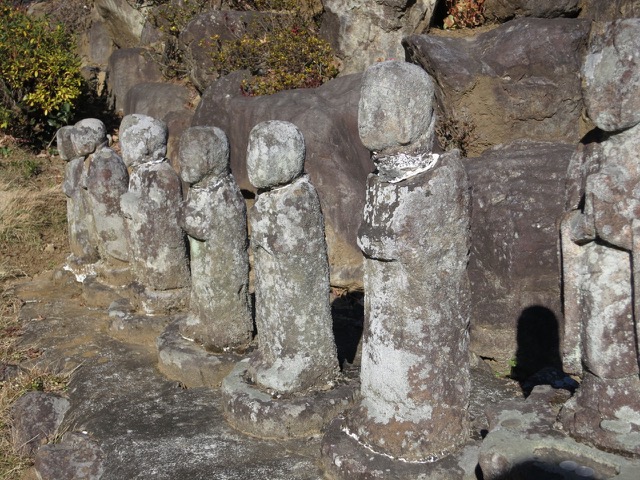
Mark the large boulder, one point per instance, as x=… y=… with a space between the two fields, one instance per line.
x=506 y=9
x=517 y=81
x=610 y=10
x=156 y=99
x=336 y=160
x=364 y=32
x=123 y=21
x=611 y=75
x=517 y=192
x=195 y=40
x=129 y=67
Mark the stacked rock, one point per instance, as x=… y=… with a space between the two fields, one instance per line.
x=290 y=376
x=601 y=248
x=151 y=207
x=77 y=144
x=415 y=237
x=214 y=218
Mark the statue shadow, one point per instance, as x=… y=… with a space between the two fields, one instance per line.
x=347 y=312
x=538 y=360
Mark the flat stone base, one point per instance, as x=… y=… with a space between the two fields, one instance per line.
x=159 y=302
x=526 y=442
x=257 y=413
x=345 y=458
x=189 y=363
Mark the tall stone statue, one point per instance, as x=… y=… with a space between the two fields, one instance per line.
x=151 y=207
x=415 y=238
x=214 y=217
x=600 y=236
x=77 y=144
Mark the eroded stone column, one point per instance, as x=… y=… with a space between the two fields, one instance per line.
x=107 y=181
x=151 y=206
x=601 y=300
x=214 y=217
x=289 y=386
x=415 y=238
x=76 y=144
x=296 y=348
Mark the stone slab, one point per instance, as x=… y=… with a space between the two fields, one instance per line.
x=258 y=413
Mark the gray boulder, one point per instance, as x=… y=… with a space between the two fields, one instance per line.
x=195 y=40
x=75 y=456
x=518 y=195
x=611 y=76
x=517 y=81
x=128 y=67
x=609 y=11
x=336 y=160
x=123 y=21
x=506 y=9
x=364 y=32
x=156 y=99
x=36 y=417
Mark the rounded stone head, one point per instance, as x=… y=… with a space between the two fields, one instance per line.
x=143 y=139
x=203 y=151
x=81 y=139
x=275 y=155
x=395 y=113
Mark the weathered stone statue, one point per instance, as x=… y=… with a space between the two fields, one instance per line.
x=287 y=387
x=151 y=206
x=76 y=145
x=296 y=347
x=600 y=248
x=214 y=217
x=415 y=238
x=107 y=180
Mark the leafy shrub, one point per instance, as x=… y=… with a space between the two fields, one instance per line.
x=281 y=49
x=39 y=74
x=464 y=13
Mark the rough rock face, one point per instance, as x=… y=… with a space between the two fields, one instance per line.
x=36 y=417
x=364 y=32
x=600 y=247
x=214 y=217
x=296 y=348
x=517 y=81
x=518 y=195
x=75 y=456
x=611 y=75
x=122 y=20
x=156 y=99
x=506 y=9
x=195 y=40
x=127 y=68
x=609 y=11
x=336 y=161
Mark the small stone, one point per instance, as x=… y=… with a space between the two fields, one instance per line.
x=390 y=90
x=143 y=139
x=275 y=155
x=568 y=465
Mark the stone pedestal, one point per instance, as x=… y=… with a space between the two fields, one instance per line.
x=288 y=385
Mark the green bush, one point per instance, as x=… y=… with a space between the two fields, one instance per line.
x=40 y=77
x=282 y=49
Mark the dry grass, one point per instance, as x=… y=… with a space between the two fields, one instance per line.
x=32 y=238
